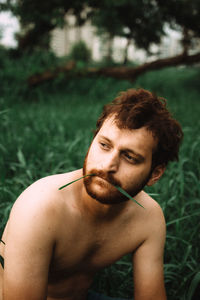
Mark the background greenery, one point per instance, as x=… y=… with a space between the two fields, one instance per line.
x=141 y=21
x=47 y=130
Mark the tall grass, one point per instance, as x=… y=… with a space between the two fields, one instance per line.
x=47 y=130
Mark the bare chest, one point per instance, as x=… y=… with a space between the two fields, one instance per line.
x=88 y=251
x=83 y=250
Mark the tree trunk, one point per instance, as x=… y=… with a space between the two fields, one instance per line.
x=126 y=51
x=122 y=72
x=49 y=74
x=109 y=50
x=131 y=73
x=186 y=41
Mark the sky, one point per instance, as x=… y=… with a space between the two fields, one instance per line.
x=8 y=25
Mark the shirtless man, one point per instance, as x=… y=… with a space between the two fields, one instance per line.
x=56 y=240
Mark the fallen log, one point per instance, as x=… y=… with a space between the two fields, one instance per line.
x=50 y=74
x=121 y=72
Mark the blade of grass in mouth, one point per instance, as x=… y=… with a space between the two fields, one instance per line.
x=62 y=187
x=127 y=195
x=116 y=186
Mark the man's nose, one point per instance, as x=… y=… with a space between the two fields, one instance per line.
x=111 y=162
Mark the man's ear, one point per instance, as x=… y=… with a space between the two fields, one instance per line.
x=156 y=174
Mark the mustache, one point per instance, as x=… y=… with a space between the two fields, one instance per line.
x=104 y=175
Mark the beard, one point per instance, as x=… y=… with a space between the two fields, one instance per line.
x=107 y=193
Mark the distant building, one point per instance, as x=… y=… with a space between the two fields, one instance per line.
x=9 y=25
x=63 y=39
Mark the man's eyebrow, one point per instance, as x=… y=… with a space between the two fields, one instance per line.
x=139 y=156
x=105 y=138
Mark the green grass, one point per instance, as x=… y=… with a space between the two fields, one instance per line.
x=48 y=129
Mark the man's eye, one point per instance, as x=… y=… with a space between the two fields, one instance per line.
x=130 y=158
x=104 y=146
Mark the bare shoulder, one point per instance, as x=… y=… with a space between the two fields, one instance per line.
x=151 y=206
x=148 y=257
x=41 y=202
x=152 y=214
x=44 y=192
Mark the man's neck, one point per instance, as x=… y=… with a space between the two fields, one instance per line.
x=97 y=211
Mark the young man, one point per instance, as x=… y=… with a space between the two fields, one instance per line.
x=56 y=240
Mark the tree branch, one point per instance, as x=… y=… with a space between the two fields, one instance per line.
x=122 y=72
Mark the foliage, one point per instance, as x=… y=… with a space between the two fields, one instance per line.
x=38 y=18
x=15 y=71
x=4 y=55
x=183 y=16
x=34 y=144
x=140 y=20
x=80 y=52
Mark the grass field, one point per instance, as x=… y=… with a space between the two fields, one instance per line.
x=48 y=129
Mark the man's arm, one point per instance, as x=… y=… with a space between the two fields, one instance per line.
x=148 y=260
x=28 y=250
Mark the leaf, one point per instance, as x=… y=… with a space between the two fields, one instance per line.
x=62 y=187
x=183 y=218
x=2 y=261
x=21 y=158
x=193 y=286
x=126 y=194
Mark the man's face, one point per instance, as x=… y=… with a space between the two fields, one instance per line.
x=120 y=157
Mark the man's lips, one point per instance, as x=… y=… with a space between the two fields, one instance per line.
x=103 y=176
x=103 y=179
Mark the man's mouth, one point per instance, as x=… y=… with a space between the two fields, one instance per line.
x=106 y=180
x=102 y=179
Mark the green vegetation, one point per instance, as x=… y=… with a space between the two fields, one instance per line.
x=80 y=52
x=47 y=130
x=141 y=21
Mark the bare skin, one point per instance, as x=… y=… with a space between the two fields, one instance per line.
x=56 y=240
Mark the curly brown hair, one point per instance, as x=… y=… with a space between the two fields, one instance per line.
x=136 y=108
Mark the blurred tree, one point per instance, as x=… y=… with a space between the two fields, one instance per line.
x=140 y=21
x=107 y=24
x=80 y=52
x=1 y=33
x=38 y=18
x=183 y=15
x=143 y=21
